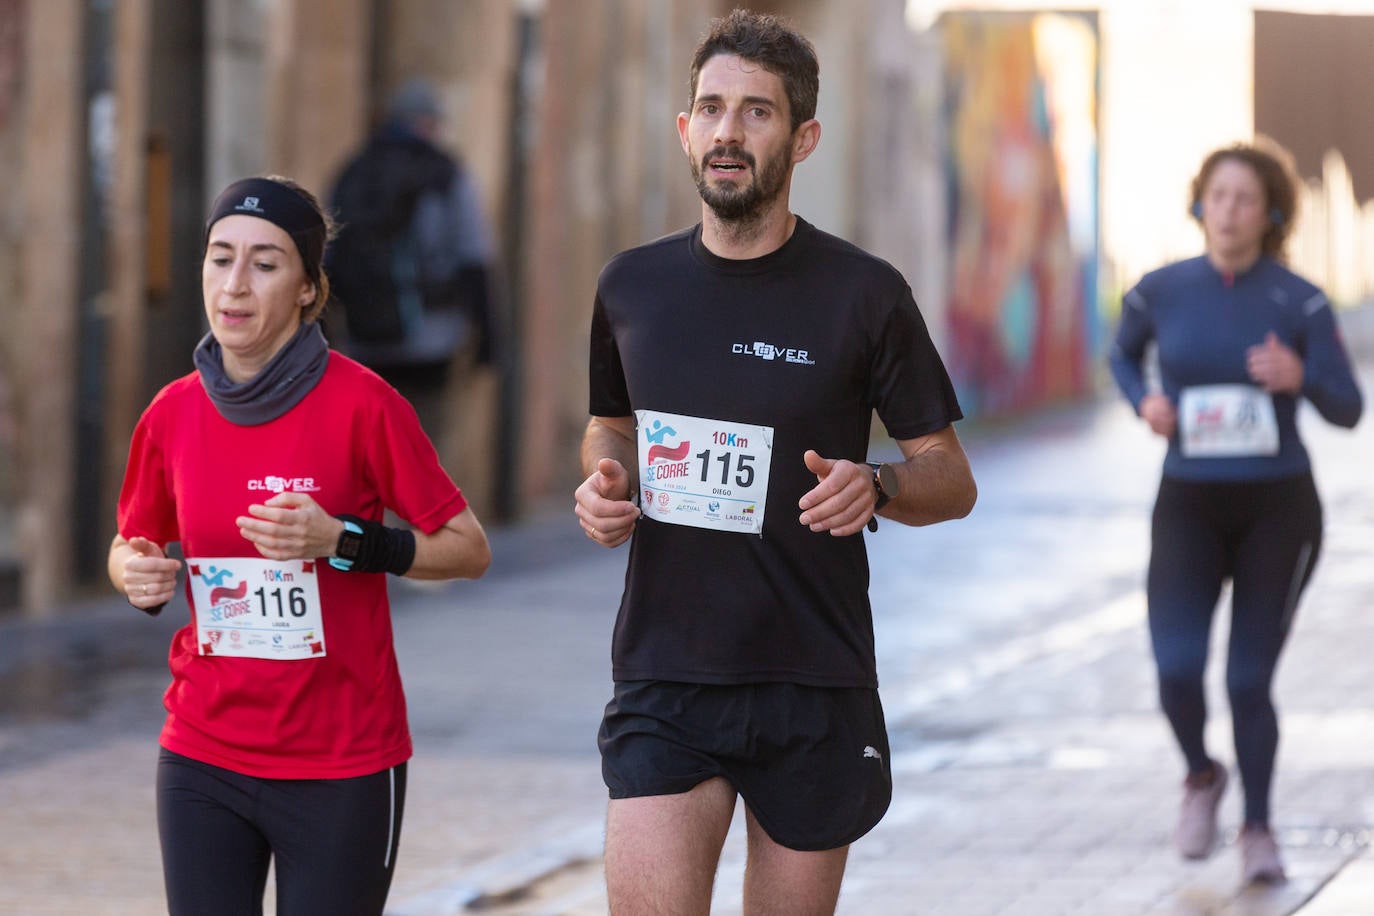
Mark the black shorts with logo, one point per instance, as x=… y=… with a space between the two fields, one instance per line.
x=812 y=763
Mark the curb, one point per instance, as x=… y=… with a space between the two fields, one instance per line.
x=1350 y=892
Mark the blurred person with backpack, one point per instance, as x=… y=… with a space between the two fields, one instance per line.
x=412 y=261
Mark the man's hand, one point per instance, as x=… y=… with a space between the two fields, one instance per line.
x=843 y=499
x=603 y=506
x=1275 y=366
x=291 y=526
x=1159 y=412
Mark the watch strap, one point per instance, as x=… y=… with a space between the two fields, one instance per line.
x=883 y=496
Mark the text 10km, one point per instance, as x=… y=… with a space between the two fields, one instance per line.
x=730 y=440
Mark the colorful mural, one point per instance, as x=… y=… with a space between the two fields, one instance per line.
x=1021 y=162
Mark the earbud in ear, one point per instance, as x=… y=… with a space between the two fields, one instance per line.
x=1196 y=210
x=1276 y=216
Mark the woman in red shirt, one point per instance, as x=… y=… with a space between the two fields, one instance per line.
x=271 y=465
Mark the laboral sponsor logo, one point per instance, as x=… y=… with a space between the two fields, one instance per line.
x=275 y=484
x=772 y=352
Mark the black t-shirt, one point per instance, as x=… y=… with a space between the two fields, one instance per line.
x=809 y=340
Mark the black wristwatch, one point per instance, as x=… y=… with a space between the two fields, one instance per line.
x=884 y=484
x=349 y=546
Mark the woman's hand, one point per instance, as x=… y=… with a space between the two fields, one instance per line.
x=1275 y=366
x=291 y=526
x=1158 y=411
x=143 y=572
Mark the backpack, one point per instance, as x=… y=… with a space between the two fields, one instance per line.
x=399 y=309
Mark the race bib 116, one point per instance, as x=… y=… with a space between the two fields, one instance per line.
x=250 y=607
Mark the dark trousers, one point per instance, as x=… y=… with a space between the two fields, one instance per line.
x=1265 y=537
x=334 y=840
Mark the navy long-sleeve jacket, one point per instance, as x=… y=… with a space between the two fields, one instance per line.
x=1203 y=322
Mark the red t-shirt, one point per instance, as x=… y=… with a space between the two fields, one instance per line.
x=356 y=446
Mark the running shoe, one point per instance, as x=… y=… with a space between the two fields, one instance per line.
x=1259 y=857
x=1196 y=834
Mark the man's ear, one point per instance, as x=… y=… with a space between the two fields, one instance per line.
x=682 y=119
x=805 y=139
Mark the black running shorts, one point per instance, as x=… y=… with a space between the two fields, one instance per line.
x=810 y=762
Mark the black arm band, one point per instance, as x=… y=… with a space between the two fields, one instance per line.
x=380 y=550
x=150 y=611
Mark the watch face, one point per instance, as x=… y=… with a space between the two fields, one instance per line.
x=349 y=545
x=887 y=480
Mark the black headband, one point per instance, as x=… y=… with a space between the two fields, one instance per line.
x=280 y=205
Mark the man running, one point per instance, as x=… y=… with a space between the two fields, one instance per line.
x=735 y=368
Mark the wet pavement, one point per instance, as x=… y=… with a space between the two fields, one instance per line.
x=1034 y=775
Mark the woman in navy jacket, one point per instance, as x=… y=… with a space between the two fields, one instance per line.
x=1240 y=340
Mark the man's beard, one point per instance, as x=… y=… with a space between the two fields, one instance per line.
x=741 y=204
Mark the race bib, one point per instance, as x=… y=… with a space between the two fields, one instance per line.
x=257 y=608
x=1227 y=421
x=703 y=473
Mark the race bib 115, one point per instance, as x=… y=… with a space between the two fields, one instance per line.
x=703 y=473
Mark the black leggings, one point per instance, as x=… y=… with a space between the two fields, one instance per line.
x=1265 y=537
x=334 y=840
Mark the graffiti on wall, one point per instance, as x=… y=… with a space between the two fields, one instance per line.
x=1020 y=118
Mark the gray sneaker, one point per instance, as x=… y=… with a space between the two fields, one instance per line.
x=1196 y=833
x=1259 y=857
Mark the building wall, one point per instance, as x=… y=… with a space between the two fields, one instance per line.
x=900 y=208
x=44 y=314
x=290 y=86
x=13 y=25
x=236 y=88
x=1317 y=106
x=1319 y=112
x=1176 y=81
x=608 y=173
x=1021 y=162
x=826 y=186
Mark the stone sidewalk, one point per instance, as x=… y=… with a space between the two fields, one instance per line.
x=1036 y=778
x=1034 y=775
